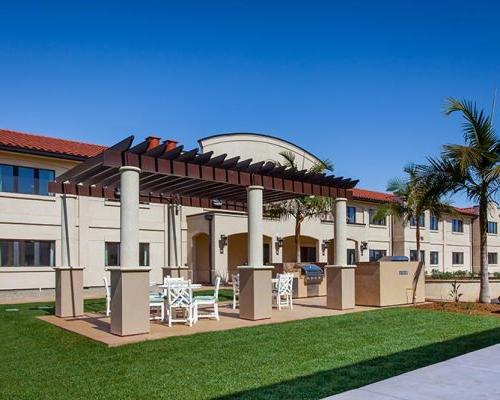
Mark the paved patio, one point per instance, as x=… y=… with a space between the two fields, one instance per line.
x=96 y=326
x=471 y=376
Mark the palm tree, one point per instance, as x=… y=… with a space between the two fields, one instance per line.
x=300 y=208
x=411 y=201
x=471 y=168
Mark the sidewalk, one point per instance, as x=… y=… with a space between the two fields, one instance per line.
x=472 y=376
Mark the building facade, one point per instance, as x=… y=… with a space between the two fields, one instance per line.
x=212 y=242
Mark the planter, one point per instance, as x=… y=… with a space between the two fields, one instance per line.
x=439 y=289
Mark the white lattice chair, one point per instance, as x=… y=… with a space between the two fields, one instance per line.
x=108 y=296
x=180 y=296
x=282 y=292
x=235 y=278
x=207 y=301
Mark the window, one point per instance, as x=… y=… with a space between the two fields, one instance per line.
x=492 y=227
x=27 y=253
x=351 y=257
x=112 y=254
x=433 y=223
x=421 y=221
x=16 y=179
x=434 y=255
x=457 y=225
x=308 y=254
x=266 y=253
x=413 y=255
x=351 y=215
x=373 y=221
x=144 y=254
x=457 y=258
x=376 y=255
x=492 y=258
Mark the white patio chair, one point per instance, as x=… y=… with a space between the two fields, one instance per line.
x=180 y=296
x=157 y=303
x=208 y=301
x=108 y=296
x=282 y=292
x=236 y=289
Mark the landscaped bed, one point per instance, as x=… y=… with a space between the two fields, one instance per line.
x=307 y=359
x=463 y=307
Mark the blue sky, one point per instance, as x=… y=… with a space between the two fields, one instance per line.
x=359 y=83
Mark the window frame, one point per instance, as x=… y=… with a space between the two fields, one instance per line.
x=431 y=225
x=36 y=179
x=381 y=252
x=460 y=224
x=495 y=262
x=433 y=253
x=117 y=244
x=413 y=221
x=493 y=223
x=461 y=256
x=349 y=208
x=19 y=253
x=378 y=222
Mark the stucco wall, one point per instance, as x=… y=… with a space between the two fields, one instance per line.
x=436 y=289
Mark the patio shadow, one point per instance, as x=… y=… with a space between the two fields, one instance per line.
x=337 y=380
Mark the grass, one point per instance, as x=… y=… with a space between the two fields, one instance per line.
x=307 y=359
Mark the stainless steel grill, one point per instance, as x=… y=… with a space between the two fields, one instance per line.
x=312 y=274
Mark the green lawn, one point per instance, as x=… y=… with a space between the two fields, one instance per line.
x=298 y=360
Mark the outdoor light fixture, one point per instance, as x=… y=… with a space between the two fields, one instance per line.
x=279 y=244
x=222 y=243
x=324 y=245
x=216 y=203
x=363 y=247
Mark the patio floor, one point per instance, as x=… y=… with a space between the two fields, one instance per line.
x=96 y=326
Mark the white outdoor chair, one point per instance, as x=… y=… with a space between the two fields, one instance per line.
x=208 y=301
x=108 y=296
x=236 y=289
x=180 y=296
x=282 y=292
x=157 y=303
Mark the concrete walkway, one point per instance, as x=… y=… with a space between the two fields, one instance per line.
x=472 y=376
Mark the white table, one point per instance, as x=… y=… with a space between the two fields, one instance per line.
x=193 y=285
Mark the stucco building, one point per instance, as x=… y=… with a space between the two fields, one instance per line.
x=210 y=241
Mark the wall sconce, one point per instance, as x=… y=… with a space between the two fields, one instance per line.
x=324 y=246
x=363 y=247
x=278 y=244
x=222 y=243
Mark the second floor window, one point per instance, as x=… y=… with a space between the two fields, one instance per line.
x=374 y=221
x=492 y=227
x=17 y=179
x=457 y=225
x=421 y=221
x=433 y=223
x=112 y=254
x=351 y=215
x=457 y=258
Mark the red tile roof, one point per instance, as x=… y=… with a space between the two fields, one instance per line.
x=370 y=195
x=45 y=144
x=472 y=211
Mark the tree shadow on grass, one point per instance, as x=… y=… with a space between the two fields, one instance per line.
x=337 y=380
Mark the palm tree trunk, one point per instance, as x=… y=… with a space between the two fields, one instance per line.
x=484 y=291
x=297 y=240
x=420 y=263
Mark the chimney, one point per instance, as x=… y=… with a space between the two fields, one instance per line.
x=171 y=144
x=153 y=141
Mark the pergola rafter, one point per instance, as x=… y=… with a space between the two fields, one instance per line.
x=168 y=175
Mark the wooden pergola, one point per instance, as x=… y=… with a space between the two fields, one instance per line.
x=159 y=173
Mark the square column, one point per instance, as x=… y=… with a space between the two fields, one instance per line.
x=69 y=291
x=129 y=282
x=255 y=278
x=340 y=277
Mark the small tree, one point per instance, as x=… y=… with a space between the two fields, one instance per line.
x=300 y=208
x=471 y=168
x=411 y=201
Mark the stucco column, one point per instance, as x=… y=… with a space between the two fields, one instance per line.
x=255 y=278
x=340 y=231
x=255 y=241
x=68 y=278
x=340 y=277
x=129 y=282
